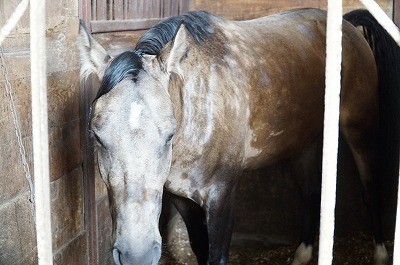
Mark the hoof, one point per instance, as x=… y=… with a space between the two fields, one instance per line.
x=302 y=256
x=381 y=256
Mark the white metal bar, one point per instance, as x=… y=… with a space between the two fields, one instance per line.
x=13 y=20
x=40 y=131
x=396 y=248
x=331 y=131
x=383 y=19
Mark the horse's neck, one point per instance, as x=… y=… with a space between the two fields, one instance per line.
x=191 y=99
x=175 y=91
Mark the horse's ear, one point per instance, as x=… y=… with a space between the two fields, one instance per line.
x=178 y=51
x=93 y=57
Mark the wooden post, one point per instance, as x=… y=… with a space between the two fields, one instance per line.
x=396 y=12
x=90 y=210
x=90 y=214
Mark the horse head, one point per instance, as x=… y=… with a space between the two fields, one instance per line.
x=133 y=123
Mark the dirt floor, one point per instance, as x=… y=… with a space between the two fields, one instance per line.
x=352 y=250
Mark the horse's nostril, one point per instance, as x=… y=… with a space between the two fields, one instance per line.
x=117 y=256
x=157 y=248
x=150 y=256
x=156 y=252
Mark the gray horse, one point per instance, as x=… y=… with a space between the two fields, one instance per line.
x=201 y=99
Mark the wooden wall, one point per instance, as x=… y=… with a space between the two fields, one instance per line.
x=248 y=9
x=17 y=230
x=233 y=9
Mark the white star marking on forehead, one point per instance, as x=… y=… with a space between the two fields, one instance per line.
x=134 y=117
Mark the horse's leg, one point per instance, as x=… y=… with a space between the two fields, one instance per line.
x=194 y=217
x=307 y=171
x=219 y=213
x=362 y=142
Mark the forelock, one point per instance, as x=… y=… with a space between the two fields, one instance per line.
x=126 y=65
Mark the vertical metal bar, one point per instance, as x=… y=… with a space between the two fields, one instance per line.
x=383 y=19
x=396 y=247
x=40 y=131
x=331 y=131
x=13 y=20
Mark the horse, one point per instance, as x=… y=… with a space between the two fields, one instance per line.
x=200 y=99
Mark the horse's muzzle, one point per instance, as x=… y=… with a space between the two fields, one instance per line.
x=117 y=256
x=150 y=258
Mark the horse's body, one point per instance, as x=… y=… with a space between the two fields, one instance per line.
x=235 y=96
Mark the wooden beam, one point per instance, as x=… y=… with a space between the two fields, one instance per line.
x=100 y=26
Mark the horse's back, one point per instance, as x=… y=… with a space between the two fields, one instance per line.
x=283 y=56
x=283 y=59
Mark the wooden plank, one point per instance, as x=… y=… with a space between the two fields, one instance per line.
x=241 y=10
x=174 y=8
x=85 y=11
x=101 y=10
x=132 y=9
x=129 y=8
x=122 y=25
x=110 y=9
x=183 y=6
x=94 y=11
x=87 y=95
x=125 y=9
x=118 y=9
x=396 y=12
x=141 y=11
x=154 y=9
x=166 y=11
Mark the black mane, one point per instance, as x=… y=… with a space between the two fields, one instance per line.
x=153 y=40
x=129 y=64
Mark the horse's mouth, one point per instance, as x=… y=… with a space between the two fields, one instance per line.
x=117 y=256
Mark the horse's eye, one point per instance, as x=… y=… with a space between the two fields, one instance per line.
x=169 y=138
x=97 y=138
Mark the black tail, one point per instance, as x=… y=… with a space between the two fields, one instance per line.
x=387 y=57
